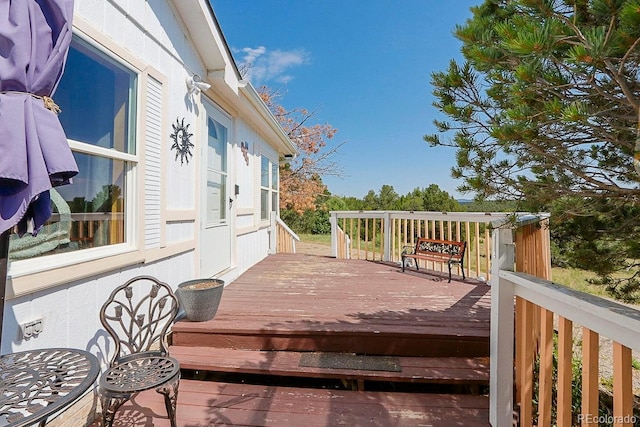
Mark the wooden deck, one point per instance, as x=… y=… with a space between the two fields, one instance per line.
x=245 y=367
x=311 y=303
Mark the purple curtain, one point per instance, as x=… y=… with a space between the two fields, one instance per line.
x=34 y=154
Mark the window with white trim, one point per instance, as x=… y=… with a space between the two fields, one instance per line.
x=216 y=172
x=97 y=96
x=269 y=180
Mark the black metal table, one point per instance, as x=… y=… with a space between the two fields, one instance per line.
x=35 y=384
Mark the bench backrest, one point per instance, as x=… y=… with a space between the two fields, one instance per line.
x=448 y=248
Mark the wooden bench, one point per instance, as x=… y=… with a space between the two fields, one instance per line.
x=435 y=250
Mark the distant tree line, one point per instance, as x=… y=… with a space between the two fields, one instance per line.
x=431 y=198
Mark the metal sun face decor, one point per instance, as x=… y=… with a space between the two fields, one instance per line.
x=182 y=141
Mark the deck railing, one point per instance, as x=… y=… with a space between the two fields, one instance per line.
x=532 y=319
x=382 y=235
x=527 y=312
x=283 y=238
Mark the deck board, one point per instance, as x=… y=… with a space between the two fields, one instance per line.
x=283 y=363
x=291 y=295
x=209 y=403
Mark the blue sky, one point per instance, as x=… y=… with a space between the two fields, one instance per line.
x=364 y=66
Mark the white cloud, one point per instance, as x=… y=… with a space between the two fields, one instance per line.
x=262 y=65
x=251 y=54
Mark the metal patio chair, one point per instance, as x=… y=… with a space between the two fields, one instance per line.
x=137 y=315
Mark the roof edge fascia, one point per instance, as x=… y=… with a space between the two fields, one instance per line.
x=203 y=27
x=286 y=146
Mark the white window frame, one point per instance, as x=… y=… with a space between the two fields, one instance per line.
x=26 y=274
x=275 y=188
x=269 y=188
x=218 y=117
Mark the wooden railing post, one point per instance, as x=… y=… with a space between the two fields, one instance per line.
x=565 y=356
x=333 y=219
x=502 y=339
x=387 y=237
x=622 y=386
x=545 y=384
x=590 y=378
x=273 y=234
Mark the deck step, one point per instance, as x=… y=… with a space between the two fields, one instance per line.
x=460 y=371
x=457 y=341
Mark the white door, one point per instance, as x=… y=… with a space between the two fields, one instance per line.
x=215 y=229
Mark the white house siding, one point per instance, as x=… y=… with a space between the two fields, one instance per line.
x=70 y=312
x=179 y=231
x=151 y=38
x=255 y=248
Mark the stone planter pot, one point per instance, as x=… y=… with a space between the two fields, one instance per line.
x=200 y=298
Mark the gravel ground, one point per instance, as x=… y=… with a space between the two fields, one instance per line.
x=606 y=359
x=313 y=249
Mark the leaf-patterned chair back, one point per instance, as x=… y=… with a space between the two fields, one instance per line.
x=138 y=315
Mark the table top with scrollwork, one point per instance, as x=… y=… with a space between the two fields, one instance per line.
x=37 y=383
